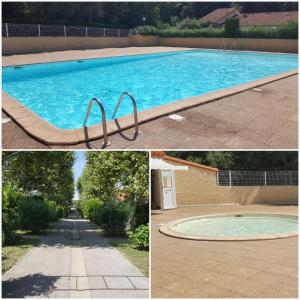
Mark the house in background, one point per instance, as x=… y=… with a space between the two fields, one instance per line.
x=267 y=19
x=177 y=182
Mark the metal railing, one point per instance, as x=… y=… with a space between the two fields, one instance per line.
x=136 y=121
x=37 y=30
x=257 y=178
x=104 y=126
x=231 y=48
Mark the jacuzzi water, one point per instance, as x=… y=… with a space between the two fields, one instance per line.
x=59 y=92
x=244 y=225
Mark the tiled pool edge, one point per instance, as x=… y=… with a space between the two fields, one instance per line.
x=48 y=134
x=167 y=230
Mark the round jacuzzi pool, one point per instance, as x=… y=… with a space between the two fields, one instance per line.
x=233 y=227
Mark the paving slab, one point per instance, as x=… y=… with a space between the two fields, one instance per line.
x=118 y=283
x=207 y=269
x=61 y=267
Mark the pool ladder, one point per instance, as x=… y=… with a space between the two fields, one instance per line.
x=232 y=47
x=106 y=142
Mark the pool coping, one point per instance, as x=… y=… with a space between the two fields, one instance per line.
x=49 y=134
x=167 y=230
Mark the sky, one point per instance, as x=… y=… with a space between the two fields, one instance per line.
x=78 y=167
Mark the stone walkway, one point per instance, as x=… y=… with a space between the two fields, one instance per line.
x=266 y=118
x=204 y=269
x=63 y=266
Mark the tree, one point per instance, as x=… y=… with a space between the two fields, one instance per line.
x=48 y=174
x=124 y=14
x=243 y=160
x=113 y=173
x=109 y=173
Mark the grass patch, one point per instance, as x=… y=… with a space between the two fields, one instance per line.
x=140 y=258
x=11 y=254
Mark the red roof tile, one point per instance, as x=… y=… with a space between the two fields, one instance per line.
x=219 y=15
x=163 y=155
x=268 y=18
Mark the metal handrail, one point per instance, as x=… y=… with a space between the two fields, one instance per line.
x=136 y=122
x=224 y=45
x=234 y=45
x=105 y=142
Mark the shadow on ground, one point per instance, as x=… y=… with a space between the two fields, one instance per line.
x=28 y=286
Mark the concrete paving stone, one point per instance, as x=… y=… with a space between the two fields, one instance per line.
x=47 y=271
x=118 y=282
x=97 y=282
x=140 y=283
x=120 y=294
x=216 y=270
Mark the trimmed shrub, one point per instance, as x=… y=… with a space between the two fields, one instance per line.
x=189 y=24
x=90 y=207
x=61 y=212
x=142 y=213
x=52 y=211
x=140 y=237
x=287 y=31
x=113 y=217
x=10 y=200
x=9 y=236
x=34 y=214
x=232 y=27
x=147 y=30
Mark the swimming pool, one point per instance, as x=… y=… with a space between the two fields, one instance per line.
x=59 y=92
x=233 y=227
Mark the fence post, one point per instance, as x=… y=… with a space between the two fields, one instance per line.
x=65 y=31
x=86 y=31
x=104 y=32
x=229 y=178
x=265 y=178
x=6 y=26
x=118 y=32
x=39 y=28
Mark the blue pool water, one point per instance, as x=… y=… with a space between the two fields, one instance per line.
x=60 y=92
x=246 y=225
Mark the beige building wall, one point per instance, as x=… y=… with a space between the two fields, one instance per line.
x=199 y=186
x=15 y=45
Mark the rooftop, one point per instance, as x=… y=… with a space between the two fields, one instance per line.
x=219 y=16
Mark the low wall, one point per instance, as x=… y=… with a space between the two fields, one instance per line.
x=199 y=186
x=268 y=45
x=16 y=45
x=143 y=40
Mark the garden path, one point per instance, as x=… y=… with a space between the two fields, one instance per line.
x=74 y=261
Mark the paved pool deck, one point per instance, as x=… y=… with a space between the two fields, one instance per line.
x=206 y=269
x=263 y=118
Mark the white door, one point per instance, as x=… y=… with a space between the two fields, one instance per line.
x=168 y=186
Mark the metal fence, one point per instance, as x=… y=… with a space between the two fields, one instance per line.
x=21 y=30
x=257 y=178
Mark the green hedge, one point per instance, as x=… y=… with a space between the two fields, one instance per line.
x=10 y=222
x=288 y=31
x=88 y=208
x=113 y=217
x=34 y=214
